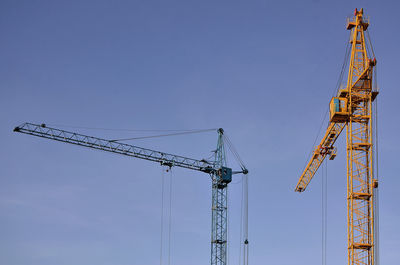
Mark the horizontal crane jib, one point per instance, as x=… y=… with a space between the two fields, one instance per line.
x=116 y=147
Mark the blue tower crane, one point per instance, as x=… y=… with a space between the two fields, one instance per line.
x=221 y=175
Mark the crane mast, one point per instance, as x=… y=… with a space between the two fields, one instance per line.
x=352 y=108
x=221 y=175
x=219 y=208
x=360 y=179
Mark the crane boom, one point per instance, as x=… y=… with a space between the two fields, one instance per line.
x=115 y=147
x=320 y=152
x=339 y=118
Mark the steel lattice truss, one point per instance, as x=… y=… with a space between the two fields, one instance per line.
x=219 y=224
x=359 y=153
x=320 y=152
x=358 y=97
x=116 y=147
x=219 y=208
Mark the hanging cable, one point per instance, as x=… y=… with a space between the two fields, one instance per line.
x=241 y=222
x=246 y=220
x=243 y=238
x=162 y=214
x=370 y=43
x=343 y=69
x=162 y=135
x=124 y=129
x=375 y=85
x=334 y=92
x=232 y=148
x=170 y=217
x=375 y=158
x=237 y=182
x=247 y=254
x=324 y=213
x=227 y=225
x=169 y=193
x=376 y=201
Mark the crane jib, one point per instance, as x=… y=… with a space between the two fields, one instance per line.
x=163 y=158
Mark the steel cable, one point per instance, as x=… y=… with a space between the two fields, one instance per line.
x=376 y=158
x=241 y=223
x=162 y=135
x=170 y=218
x=370 y=43
x=125 y=129
x=377 y=261
x=335 y=90
x=162 y=214
x=233 y=151
x=324 y=213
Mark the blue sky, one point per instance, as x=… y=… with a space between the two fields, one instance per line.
x=262 y=70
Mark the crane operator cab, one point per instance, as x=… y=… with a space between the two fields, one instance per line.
x=338 y=109
x=225 y=174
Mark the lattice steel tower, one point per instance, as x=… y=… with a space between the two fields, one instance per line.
x=352 y=107
x=219 y=206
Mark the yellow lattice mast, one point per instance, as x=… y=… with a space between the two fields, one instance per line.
x=353 y=107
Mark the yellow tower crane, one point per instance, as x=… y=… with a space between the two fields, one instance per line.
x=352 y=108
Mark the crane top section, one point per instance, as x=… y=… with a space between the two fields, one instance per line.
x=112 y=146
x=358 y=19
x=343 y=106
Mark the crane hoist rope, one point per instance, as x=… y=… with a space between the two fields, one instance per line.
x=162 y=135
x=324 y=211
x=233 y=150
x=243 y=238
x=370 y=47
x=378 y=178
x=162 y=214
x=170 y=217
x=334 y=91
x=124 y=129
x=245 y=219
x=241 y=225
x=166 y=193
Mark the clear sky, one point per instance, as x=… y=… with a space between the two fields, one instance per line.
x=262 y=70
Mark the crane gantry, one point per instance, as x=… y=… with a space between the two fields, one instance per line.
x=352 y=108
x=221 y=175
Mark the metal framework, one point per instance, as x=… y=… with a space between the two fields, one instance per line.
x=219 y=208
x=353 y=108
x=220 y=174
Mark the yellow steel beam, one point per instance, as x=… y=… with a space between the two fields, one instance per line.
x=357 y=118
x=360 y=179
x=320 y=152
